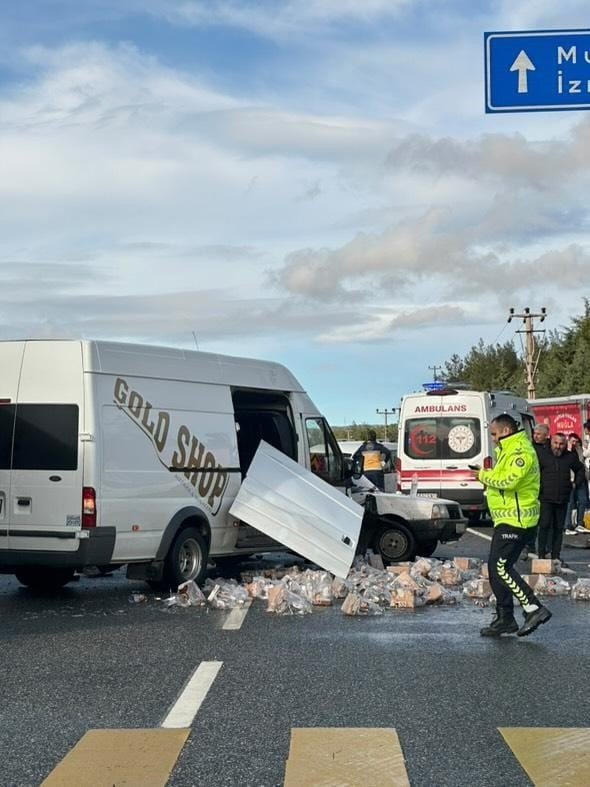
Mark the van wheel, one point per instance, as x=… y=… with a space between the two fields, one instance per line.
x=395 y=543
x=426 y=548
x=44 y=578
x=186 y=559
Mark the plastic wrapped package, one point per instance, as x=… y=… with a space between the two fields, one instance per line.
x=423 y=566
x=450 y=576
x=258 y=587
x=548 y=585
x=340 y=587
x=470 y=574
x=282 y=601
x=434 y=594
x=190 y=595
x=451 y=597
x=406 y=582
x=405 y=598
x=467 y=563
x=322 y=589
x=355 y=604
x=227 y=594
x=477 y=588
x=581 y=590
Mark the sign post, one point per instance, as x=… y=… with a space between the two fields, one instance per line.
x=537 y=71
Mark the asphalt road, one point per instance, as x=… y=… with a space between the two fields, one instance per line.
x=87 y=658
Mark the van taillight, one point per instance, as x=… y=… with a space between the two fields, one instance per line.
x=88 y=507
x=398 y=473
x=487 y=463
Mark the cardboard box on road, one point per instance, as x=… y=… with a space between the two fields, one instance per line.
x=542 y=566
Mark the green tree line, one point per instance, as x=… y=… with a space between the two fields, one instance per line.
x=563 y=369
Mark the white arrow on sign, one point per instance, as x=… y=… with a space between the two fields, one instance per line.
x=522 y=64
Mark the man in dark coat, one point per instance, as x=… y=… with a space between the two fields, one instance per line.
x=560 y=470
x=541 y=443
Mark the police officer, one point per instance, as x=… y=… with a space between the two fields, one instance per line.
x=512 y=492
x=371 y=458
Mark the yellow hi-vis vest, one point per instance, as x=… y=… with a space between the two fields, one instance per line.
x=512 y=485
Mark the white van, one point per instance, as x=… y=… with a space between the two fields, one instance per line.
x=115 y=454
x=442 y=432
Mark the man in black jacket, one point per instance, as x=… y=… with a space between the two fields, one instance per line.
x=558 y=466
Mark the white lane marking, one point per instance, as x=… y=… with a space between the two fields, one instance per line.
x=236 y=617
x=184 y=710
x=481 y=535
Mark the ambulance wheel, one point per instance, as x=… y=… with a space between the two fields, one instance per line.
x=395 y=543
x=44 y=578
x=186 y=559
x=426 y=548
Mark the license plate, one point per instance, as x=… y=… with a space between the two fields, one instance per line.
x=460 y=528
x=427 y=494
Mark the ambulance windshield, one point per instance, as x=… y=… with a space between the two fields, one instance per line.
x=442 y=438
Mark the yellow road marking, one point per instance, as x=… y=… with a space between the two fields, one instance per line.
x=552 y=756
x=345 y=757
x=120 y=758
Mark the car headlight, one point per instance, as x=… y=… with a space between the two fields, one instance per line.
x=440 y=511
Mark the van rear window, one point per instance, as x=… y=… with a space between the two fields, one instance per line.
x=442 y=438
x=45 y=437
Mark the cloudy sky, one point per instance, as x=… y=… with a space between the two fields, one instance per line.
x=309 y=181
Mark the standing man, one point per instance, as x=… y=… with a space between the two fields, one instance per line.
x=371 y=458
x=512 y=492
x=558 y=467
x=541 y=445
x=541 y=438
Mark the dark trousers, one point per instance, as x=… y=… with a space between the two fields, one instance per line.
x=531 y=539
x=551 y=528
x=376 y=477
x=507 y=584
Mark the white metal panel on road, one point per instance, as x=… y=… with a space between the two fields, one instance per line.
x=292 y=505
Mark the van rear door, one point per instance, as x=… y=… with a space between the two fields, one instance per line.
x=46 y=490
x=296 y=508
x=10 y=364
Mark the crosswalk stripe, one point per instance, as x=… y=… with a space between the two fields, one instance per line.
x=192 y=696
x=552 y=756
x=355 y=757
x=135 y=758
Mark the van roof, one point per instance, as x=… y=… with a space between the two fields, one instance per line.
x=176 y=363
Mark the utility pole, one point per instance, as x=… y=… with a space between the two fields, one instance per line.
x=530 y=348
x=434 y=368
x=385 y=412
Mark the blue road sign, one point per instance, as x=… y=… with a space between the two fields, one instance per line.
x=537 y=70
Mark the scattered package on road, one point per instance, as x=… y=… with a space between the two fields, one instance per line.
x=367 y=590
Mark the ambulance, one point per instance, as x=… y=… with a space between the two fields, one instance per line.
x=444 y=431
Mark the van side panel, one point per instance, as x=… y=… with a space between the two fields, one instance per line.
x=46 y=494
x=148 y=426
x=11 y=354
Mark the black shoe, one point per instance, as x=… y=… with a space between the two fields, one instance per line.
x=533 y=620
x=501 y=624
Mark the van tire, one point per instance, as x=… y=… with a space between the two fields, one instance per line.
x=186 y=559
x=44 y=577
x=394 y=542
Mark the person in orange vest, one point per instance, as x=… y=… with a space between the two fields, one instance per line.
x=371 y=459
